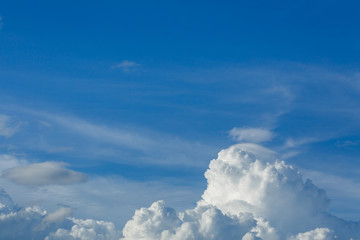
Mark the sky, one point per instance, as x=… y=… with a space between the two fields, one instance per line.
x=109 y=107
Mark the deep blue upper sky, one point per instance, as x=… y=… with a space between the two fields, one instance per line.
x=174 y=77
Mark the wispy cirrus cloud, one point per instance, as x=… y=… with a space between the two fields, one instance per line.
x=102 y=142
x=8 y=127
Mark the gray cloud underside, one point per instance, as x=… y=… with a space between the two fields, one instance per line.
x=45 y=173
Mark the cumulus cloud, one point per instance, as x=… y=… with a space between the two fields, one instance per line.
x=88 y=229
x=8 y=127
x=204 y=222
x=35 y=223
x=317 y=234
x=251 y=195
x=45 y=173
x=254 y=135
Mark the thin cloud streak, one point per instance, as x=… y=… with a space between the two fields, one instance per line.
x=8 y=127
x=248 y=134
x=125 y=144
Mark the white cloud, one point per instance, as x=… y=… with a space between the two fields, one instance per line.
x=159 y=222
x=110 y=198
x=8 y=161
x=45 y=173
x=347 y=198
x=120 y=143
x=317 y=234
x=88 y=229
x=126 y=65
x=251 y=195
x=8 y=127
x=293 y=143
x=35 y=223
x=247 y=134
x=254 y=198
x=103 y=133
x=150 y=146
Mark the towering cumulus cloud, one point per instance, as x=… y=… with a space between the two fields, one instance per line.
x=251 y=195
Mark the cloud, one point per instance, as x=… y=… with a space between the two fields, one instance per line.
x=56 y=217
x=8 y=161
x=247 y=134
x=248 y=197
x=35 y=223
x=293 y=143
x=103 y=133
x=126 y=65
x=7 y=126
x=251 y=195
x=159 y=222
x=45 y=173
x=6 y=202
x=110 y=198
x=125 y=143
x=347 y=198
x=319 y=233
x=88 y=229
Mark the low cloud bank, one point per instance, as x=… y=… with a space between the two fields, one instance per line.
x=250 y=196
x=36 y=223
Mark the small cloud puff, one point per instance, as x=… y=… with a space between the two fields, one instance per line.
x=254 y=135
x=45 y=173
x=126 y=65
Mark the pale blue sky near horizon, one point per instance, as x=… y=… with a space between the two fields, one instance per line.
x=149 y=91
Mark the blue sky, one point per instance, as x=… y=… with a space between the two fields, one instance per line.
x=143 y=95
